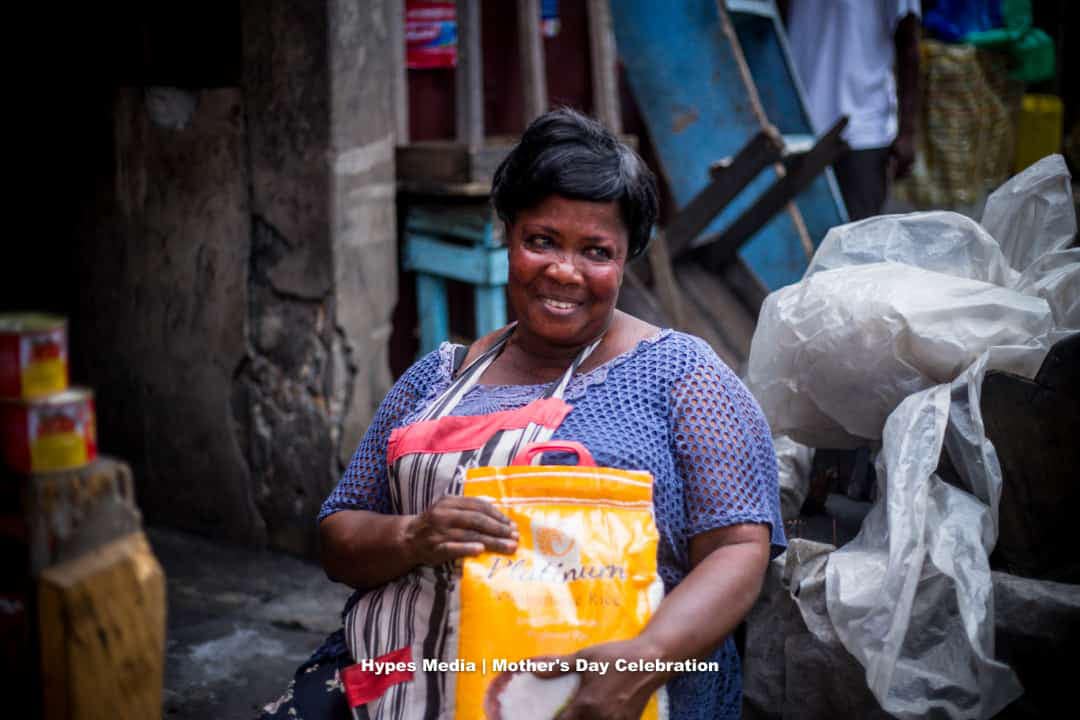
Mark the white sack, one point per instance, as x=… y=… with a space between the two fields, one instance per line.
x=910 y=596
x=833 y=355
x=1032 y=214
x=942 y=241
x=886 y=310
x=793 y=464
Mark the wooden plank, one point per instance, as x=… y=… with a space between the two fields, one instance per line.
x=468 y=79
x=641 y=302
x=720 y=247
x=449 y=162
x=433 y=161
x=764 y=149
x=746 y=285
x=664 y=285
x=602 y=57
x=427 y=189
x=697 y=321
x=485 y=159
x=102 y=628
x=531 y=48
x=730 y=320
x=469 y=221
x=636 y=298
x=400 y=85
x=489 y=309
x=475 y=265
x=433 y=310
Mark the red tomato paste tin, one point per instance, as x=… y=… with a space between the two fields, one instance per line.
x=56 y=432
x=33 y=355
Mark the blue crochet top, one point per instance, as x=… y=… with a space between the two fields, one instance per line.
x=669 y=406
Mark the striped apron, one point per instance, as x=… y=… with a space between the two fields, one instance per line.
x=426 y=460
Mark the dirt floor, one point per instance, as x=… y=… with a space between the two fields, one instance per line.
x=239 y=624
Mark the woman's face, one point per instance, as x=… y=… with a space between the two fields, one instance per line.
x=566 y=266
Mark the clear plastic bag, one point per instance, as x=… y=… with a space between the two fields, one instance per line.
x=793 y=464
x=888 y=337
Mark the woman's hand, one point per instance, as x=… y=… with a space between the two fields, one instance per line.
x=728 y=568
x=455 y=527
x=368 y=549
x=606 y=693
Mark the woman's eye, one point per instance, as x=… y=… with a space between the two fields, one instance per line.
x=598 y=253
x=538 y=241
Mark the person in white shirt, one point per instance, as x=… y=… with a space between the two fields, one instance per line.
x=860 y=58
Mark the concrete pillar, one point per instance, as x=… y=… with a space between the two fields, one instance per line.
x=322 y=283
x=240 y=275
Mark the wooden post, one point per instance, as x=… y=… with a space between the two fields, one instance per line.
x=102 y=624
x=533 y=75
x=602 y=54
x=758 y=109
x=400 y=85
x=469 y=81
x=664 y=284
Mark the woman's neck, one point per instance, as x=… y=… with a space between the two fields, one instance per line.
x=527 y=359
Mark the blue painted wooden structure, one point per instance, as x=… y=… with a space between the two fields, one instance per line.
x=684 y=74
x=454 y=243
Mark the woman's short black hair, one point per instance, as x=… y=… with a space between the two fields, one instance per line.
x=566 y=153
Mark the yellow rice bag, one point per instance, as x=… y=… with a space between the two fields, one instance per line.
x=584 y=573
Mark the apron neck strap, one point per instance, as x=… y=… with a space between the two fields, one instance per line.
x=471 y=375
x=559 y=389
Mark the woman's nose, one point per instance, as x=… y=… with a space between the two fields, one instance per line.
x=563 y=268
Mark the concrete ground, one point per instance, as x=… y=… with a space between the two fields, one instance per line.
x=239 y=624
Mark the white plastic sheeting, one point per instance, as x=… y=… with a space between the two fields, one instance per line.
x=793 y=464
x=888 y=337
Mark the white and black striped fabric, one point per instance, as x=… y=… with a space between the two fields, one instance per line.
x=421 y=609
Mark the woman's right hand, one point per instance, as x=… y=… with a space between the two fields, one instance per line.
x=455 y=527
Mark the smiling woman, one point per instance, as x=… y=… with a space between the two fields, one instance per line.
x=566 y=266
x=577 y=205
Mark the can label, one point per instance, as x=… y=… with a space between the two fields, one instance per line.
x=43 y=361
x=33 y=356
x=58 y=433
x=60 y=436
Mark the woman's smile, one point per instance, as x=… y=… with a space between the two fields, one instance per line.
x=566 y=266
x=559 y=307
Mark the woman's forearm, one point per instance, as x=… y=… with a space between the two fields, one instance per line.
x=365 y=549
x=728 y=568
x=711 y=601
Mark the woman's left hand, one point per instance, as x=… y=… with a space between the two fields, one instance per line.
x=606 y=693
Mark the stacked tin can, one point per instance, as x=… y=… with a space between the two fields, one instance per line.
x=45 y=425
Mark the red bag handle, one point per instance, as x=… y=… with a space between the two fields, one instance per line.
x=527 y=453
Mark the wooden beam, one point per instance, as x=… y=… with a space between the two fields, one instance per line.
x=603 y=57
x=531 y=52
x=400 y=84
x=763 y=150
x=663 y=277
x=800 y=172
x=746 y=285
x=468 y=78
x=101 y=619
x=636 y=298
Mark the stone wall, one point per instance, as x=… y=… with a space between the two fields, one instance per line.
x=240 y=273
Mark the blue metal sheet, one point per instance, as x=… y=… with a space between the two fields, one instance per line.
x=683 y=72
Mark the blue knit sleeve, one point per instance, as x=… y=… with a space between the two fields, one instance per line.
x=364 y=484
x=723 y=448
